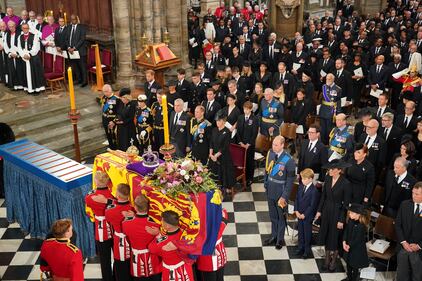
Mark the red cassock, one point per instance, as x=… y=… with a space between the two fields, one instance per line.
x=113 y=214
x=102 y=227
x=174 y=266
x=219 y=258
x=62 y=259
x=143 y=263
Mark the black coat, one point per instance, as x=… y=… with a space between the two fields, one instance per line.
x=377 y=153
x=185 y=90
x=211 y=111
x=332 y=206
x=355 y=237
x=380 y=78
x=289 y=84
x=345 y=82
x=78 y=40
x=200 y=140
x=60 y=37
x=151 y=92
x=180 y=133
x=300 y=110
x=223 y=168
x=362 y=180
x=264 y=80
x=247 y=131
x=399 y=121
x=392 y=141
x=125 y=125
x=314 y=159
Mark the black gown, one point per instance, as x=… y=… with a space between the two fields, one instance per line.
x=125 y=125
x=332 y=206
x=222 y=169
x=362 y=180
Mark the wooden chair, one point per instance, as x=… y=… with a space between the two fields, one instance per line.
x=238 y=155
x=90 y=58
x=384 y=227
x=262 y=146
x=106 y=65
x=55 y=79
x=48 y=62
x=288 y=131
x=377 y=198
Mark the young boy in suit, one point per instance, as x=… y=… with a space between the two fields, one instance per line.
x=306 y=205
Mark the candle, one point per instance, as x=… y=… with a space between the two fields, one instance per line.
x=65 y=18
x=165 y=119
x=71 y=90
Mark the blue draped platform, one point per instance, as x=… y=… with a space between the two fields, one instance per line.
x=35 y=203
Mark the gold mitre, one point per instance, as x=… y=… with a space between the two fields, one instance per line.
x=413 y=68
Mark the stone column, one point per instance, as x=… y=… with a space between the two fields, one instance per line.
x=122 y=37
x=213 y=4
x=157 y=8
x=178 y=29
x=147 y=19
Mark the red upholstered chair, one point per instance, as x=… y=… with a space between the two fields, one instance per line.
x=107 y=65
x=90 y=58
x=47 y=62
x=55 y=78
x=238 y=155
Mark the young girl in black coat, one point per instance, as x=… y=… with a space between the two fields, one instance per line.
x=354 y=241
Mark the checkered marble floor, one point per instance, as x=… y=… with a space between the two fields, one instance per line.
x=248 y=260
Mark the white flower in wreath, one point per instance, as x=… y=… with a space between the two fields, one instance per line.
x=187 y=177
x=182 y=172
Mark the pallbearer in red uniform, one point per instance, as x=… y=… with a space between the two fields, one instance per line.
x=114 y=215
x=143 y=265
x=103 y=232
x=211 y=268
x=60 y=259
x=175 y=266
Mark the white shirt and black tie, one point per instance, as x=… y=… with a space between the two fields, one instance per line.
x=380 y=111
x=370 y=140
x=312 y=145
x=407 y=120
x=379 y=68
x=387 y=132
x=417 y=209
x=72 y=33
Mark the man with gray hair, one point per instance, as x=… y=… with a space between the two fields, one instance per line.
x=271 y=114
x=398 y=187
x=179 y=125
x=391 y=134
x=109 y=103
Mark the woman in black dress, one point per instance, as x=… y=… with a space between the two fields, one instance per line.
x=361 y=175
x=246 y=80
x=220 y=161
x=263 y=75
x=255 y=56
x=358 y=80
x=236 y=59
x=407 y=151
x=301 y=108
x=332 y=210
x=231 y=111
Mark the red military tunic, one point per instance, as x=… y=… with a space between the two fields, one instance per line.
x=174 y=266
x=102 y=227
x=143 y=263
x=113 y=214
x=62 y=259
x=219 y=258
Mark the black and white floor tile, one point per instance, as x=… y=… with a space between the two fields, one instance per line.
x=249 y=260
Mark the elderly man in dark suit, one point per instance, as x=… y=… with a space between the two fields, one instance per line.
x=407 y=121
x=76 y=42
x=180 y=129
x=313 y=153
x=409 y=233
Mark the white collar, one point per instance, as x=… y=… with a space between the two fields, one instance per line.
x=402 y=177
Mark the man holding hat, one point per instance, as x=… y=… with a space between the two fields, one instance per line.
x=143 y=121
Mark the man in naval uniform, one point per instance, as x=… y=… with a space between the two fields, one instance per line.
x=200 y=133
x=330 y=106
x=109 y=103
x=143 y=121
x=341 y=139
x=271 y=114
x=279 y=176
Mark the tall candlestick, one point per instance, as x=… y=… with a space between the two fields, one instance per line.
x=165 y=119
x=65 y=18
x=71 y=90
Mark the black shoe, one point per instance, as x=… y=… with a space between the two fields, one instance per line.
x=306 y=256
x=299 y=252
x=278 y=246
x=84 y=85
x=269 y=241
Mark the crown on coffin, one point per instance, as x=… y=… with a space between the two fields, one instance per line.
x=150 y=158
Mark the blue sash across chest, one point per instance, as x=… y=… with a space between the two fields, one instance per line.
x=280 y=164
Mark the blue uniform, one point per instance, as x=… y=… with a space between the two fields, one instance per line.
x=271 y=114
x=341 y=141
x=280 y=174
x=330 y=106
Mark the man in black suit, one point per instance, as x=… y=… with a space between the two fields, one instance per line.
x=313 y=153
x=244 y=49
x=376 y=146
x=211 y=106
x=376 y=50
x=391 y=133
x=180 y=129
x=396 y=87
x=217 y=57
x=247 y=131
x=382 y=106
x=407 y=121
x=286 y=79
x=151 y=87
x=183 y=87
x=348 y=9
x=343 y=79
x=210 y=66
x=300 y=60
x=261 y=33
x=271 y=54
x=198 y=92
x=378 y=76
x=206 y=79
x=221 y=31
x=76 y=42
x=60 y=36
x=398 y=187
x=409 y=233
x=325 y=65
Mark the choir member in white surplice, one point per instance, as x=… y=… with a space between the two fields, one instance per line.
x=28 y=48
x=14 y=62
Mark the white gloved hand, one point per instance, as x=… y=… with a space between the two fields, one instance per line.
x=143 y=133
x=137 y=136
